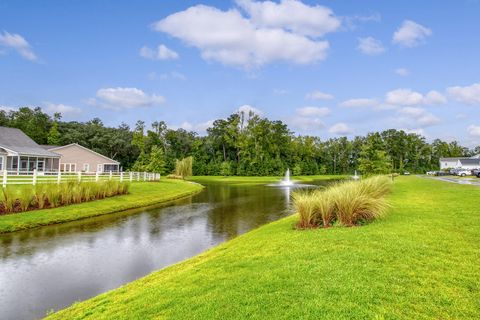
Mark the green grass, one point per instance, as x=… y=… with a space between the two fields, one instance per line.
x=141 y=194
x=421 y=261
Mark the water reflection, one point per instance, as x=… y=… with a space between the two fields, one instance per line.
x=51 y=267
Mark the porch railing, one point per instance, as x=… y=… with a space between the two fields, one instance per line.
x=34 y=177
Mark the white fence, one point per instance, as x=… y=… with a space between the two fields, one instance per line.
x=34 y=177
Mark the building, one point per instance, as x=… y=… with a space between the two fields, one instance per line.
x=75 y=158
x=19 y=153
x=464 y=163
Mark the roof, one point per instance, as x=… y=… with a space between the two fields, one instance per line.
x=14 y=140
x=470 y=161
x=451 y=159
x=86 y=149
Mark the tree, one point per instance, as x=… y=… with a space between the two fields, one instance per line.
x=156 y=162
x=374 y=160
x=53 y=137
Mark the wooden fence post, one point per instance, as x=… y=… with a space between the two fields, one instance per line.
x=131 y=176
x=144 y=176
x=79 y=176
x=97 y=177
x=110 y=176
x=59 y=177
x=4 y=181
x=138 y=176
x=121 y=176
x=34 y=178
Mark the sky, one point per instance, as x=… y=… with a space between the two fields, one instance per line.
x=326 y=68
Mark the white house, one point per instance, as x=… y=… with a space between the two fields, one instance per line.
x=464 y=163
x=20 y=154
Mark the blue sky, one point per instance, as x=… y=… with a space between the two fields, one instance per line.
x=327 y=68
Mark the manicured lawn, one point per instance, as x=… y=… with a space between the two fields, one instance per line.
x=141 y=194
x=420 y=262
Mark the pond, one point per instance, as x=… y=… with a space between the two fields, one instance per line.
x=51 y=267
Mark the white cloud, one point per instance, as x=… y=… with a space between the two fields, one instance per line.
x=418 y=131
x=6 y=108
x=340 y=128
x=359 y=102
x=61 y=108
x=280 y=92
x=17 y=43
x=434 y=97
x=247 y=109
x=125 y=98
x=402 y=72
x=370 y=46
x=197 y=127
x=232 y=39
x=318 y=95
x=469 y=94
x=411 y=34
x=473 y=130
x=161 y=53
x=306 y=123
x=418 y=117
x=313 y=112
x=407 y=97
x=292 y=15
x=403 y=97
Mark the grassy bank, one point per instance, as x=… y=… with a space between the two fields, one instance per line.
x=419 y=262
x=141 y=194
x=256 y=180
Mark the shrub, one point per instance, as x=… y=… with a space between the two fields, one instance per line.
x=349 y=203
x=183 y=167
x=305 y=205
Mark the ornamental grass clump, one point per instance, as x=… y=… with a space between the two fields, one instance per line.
x=348 y=203
x=26 y=197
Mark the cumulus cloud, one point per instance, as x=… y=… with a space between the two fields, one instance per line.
x=160 y=53
x=313 y=112
x=411 y=34
x=359 y=102
x=402 y=72
x=247 y=109
x=408 y=97
x=473 y=130
x=61 y=108
x=418 y=131
x=418 y=117
x=469 y=94
x=18 y=43
x=318 y=95
x=370 y=46
x=269 y=32
x=306 y=123
x=340 y=128
x=291 y=15
x=125 y=98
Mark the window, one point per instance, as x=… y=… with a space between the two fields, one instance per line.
x=1 y=163
x=86 y=167
x=99 y=168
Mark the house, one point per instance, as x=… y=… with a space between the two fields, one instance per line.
x=464 y=163
x=19 y=153
x=75 y=158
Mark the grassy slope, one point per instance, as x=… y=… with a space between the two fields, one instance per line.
x=420 y=262
x=141 y=194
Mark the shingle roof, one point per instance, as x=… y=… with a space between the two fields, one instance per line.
x=470 y=161
x=15 y=140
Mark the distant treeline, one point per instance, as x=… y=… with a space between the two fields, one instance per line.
x=242 y=144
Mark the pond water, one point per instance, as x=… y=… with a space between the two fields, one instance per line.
x=52 y=267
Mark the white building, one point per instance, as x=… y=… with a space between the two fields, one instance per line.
x=464 y=163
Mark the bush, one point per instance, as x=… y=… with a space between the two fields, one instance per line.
x=348 y=203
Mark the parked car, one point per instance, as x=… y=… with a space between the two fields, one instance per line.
x=442 y=173
x=406 y=173
x=463 y=172
x=476 y=172
x=431 y=173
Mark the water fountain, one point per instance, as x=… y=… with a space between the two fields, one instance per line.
x=286 y=180
x=355 y=177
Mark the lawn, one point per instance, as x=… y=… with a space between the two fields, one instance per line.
x=141 y=194
x=420 y=262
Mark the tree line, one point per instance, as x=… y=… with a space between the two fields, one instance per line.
x=242 y=144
